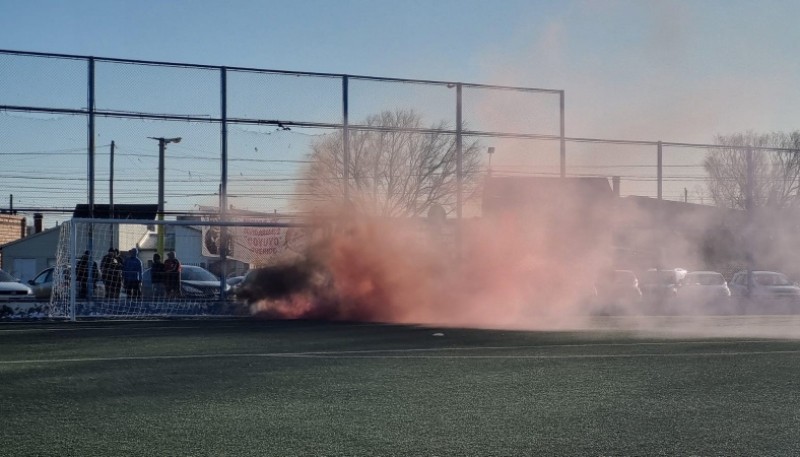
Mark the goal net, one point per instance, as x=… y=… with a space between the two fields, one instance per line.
x=212 y=254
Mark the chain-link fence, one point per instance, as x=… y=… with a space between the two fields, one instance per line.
x=103 y=131
x=79 y=129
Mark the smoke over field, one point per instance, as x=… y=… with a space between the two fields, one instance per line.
x=536 y=259
x=498 y=272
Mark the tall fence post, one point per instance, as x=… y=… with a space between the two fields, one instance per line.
x=749 y=208
x=459 y=170
x=111 y=214
x=660 y=211
x=660 y=170
x=459 y=154
x=73 y=266
x=345 y=139
x=90 y=140
x=91 y=145
x=223 y=187
x=562 y=134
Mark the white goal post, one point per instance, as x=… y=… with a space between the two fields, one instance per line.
x=209 y=250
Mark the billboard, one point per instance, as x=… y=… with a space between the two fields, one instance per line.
x=256 y=245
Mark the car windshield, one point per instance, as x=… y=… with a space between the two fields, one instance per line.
x=624 y=277
x=197 y=274
x=771 y=279
x=705 y=279
x=659 y=277
x=5 y=277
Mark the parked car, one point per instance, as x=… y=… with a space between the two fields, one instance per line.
x=242 y=290
x=11 y=287
x=704 y=291
x=767 y=291
x=196 y=282
x=42 y=284
x=661 y=286
x=618 y=288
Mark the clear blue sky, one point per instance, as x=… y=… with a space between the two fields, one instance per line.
x=670 y=70
x=680 y=71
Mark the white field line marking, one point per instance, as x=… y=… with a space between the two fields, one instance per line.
x=354 y=355
x=118 y=328
x=133 y=328
x=551 y=346
x=560 y=356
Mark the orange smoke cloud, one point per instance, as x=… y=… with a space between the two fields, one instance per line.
x=500 y=274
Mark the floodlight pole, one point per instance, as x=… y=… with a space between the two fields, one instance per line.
x=162 y=147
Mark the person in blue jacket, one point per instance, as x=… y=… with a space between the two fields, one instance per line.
x=132 y=274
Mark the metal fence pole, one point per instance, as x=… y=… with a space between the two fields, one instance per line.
x=111 y=190
x=345 y=138
x=660 y=170
x=223 y=188
x=71 y=253
x=660 y=211
x=459 y=154
x=91 y=145
x=459 y=170
x=563 y=142
x=749 y=208
x=90 y=134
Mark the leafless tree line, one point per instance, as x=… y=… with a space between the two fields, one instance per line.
x=397 y=166
x=774 y=175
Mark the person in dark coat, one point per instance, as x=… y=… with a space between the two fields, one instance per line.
x=86 y=268
x=132 y=270
x=172 y=275
x=111 y=268
x=157 y=276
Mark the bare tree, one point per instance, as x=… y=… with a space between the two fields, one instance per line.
x=775 y=173
x=397 y=166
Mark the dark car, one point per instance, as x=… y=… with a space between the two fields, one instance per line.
x=234 y=281
x=617 y=290
x=660 y=287
x=196 y=282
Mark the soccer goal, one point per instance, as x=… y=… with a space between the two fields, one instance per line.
x=210 y=252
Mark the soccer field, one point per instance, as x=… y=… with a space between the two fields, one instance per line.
x=287 y=388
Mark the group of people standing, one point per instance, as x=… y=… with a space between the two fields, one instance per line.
x=166 y=276
x=118 y=273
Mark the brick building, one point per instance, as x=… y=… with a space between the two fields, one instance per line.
x=12 y=228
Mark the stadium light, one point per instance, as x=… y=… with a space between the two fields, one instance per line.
x=162 y=147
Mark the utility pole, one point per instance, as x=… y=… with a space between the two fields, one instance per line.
x=162 y=148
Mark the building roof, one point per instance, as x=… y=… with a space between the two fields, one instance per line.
x=513 y=193
x=30 y=237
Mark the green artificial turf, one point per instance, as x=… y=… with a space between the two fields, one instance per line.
x=312 y=388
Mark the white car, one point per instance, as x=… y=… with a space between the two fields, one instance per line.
x=701 y=290
x=11 y=287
